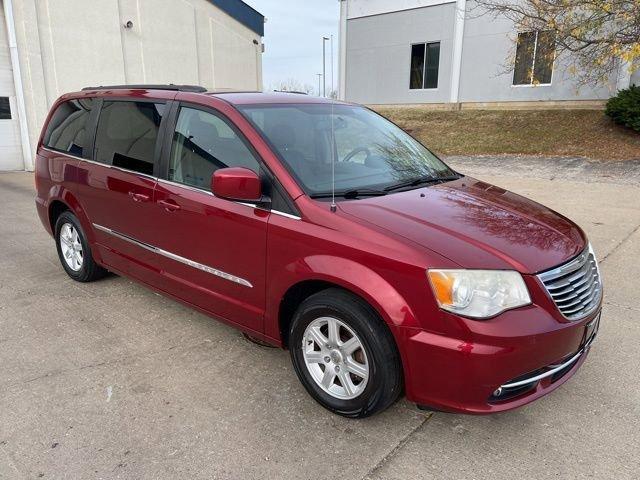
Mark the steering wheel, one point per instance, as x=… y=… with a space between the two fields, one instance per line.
x=354 y=152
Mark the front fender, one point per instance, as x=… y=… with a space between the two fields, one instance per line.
x=348 y=274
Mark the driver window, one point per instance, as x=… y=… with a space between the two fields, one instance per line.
x=203 y=143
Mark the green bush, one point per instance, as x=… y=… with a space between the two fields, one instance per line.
x=624 y=108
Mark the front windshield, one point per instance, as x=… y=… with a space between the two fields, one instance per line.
x=370 y=152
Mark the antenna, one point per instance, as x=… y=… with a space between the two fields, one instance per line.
x=333 y=141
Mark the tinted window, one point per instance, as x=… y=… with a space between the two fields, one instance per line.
x=203 y=143
x=535 y=53
x=127 y=134
x=5 y=108
x=67 y=129
x=417 y=66
x=425 y=61
x=431 y=70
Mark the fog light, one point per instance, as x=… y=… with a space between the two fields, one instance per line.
x=497 y=392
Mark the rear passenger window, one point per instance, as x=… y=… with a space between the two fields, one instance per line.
x=67 y=130
x=203 y=143
x=127 y=134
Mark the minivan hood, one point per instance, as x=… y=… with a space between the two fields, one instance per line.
x=475 y=225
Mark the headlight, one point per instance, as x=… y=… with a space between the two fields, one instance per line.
x=478 y=293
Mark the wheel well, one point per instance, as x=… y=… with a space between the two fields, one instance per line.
x=55 y=210
x=293 y=298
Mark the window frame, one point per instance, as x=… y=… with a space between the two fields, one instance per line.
x=533 y=63
x=269 y=181
x=159 y=139
x=424 y=66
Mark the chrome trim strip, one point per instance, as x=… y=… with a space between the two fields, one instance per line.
x=549 y=373
x=65 y=154
x=177 y=258
x=286 y=215
x=208 y=192
x=188 y=187
x=114 y=167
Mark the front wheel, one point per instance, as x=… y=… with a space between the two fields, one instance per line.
x=344 y=355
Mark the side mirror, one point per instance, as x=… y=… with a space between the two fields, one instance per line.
x=236 y=183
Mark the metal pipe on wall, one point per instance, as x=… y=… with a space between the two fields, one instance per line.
x=17 y=82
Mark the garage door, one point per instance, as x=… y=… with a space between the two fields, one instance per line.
x=10 y=147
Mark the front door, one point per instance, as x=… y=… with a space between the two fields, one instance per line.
x=213 y=249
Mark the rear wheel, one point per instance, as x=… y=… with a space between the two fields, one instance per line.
x=74 y=251
x=344 y=354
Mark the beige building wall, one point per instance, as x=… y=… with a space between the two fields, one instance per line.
x=65 y=45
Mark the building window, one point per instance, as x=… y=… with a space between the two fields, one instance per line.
x=5 y=108
x=535 y=53
x=425 y=58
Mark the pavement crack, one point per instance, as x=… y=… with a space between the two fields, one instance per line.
x=620 y=243
x=624 y=307
x=101 y=364
x=392 y=453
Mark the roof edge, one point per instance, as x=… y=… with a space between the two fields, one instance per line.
x=243 y=13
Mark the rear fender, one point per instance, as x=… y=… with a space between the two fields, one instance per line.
x=61 y=194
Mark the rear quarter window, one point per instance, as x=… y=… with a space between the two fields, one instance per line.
x=67 y=130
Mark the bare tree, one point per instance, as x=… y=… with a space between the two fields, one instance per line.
x=292 y=85
x=597 y=37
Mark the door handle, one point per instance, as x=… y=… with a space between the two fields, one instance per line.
x=139 y=197
x=169 y=205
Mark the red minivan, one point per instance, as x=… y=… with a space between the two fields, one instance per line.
x=321 y=227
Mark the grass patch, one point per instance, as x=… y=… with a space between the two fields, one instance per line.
x=579 y=133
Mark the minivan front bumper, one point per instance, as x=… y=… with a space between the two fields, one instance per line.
x=497 y=368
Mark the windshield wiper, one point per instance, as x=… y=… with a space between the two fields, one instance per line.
x=350 y=194
x=421 y=181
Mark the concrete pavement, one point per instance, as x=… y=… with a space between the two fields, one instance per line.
x=109 y=380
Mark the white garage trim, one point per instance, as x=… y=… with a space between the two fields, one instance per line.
x=17 y=81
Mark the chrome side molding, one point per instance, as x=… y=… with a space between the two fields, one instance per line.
x=177 y=258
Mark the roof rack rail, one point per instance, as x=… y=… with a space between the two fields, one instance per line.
x=291 y=91
x=172 y=87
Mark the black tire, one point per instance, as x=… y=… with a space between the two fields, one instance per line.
x=89 y=269
x=384 y=383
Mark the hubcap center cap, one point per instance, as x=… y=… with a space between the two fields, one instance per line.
x=336 y=356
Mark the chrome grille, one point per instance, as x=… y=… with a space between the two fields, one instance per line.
x=575 y=287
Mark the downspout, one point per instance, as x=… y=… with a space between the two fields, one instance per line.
x=458 y=38
x=17 y=82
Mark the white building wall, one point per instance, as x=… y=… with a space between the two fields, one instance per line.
x=65 y=45
x=375 y=46
x=487 y=74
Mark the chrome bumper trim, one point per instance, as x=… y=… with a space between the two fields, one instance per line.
x=556 y=368
x=177 y=258
x=546 y=374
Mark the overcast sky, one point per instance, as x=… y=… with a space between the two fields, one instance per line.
x=293 y=39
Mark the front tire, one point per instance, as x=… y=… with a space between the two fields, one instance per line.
x=344 y=354
x=74 y=251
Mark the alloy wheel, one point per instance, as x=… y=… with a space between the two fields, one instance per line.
x=71 y=247
x=335 y=357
